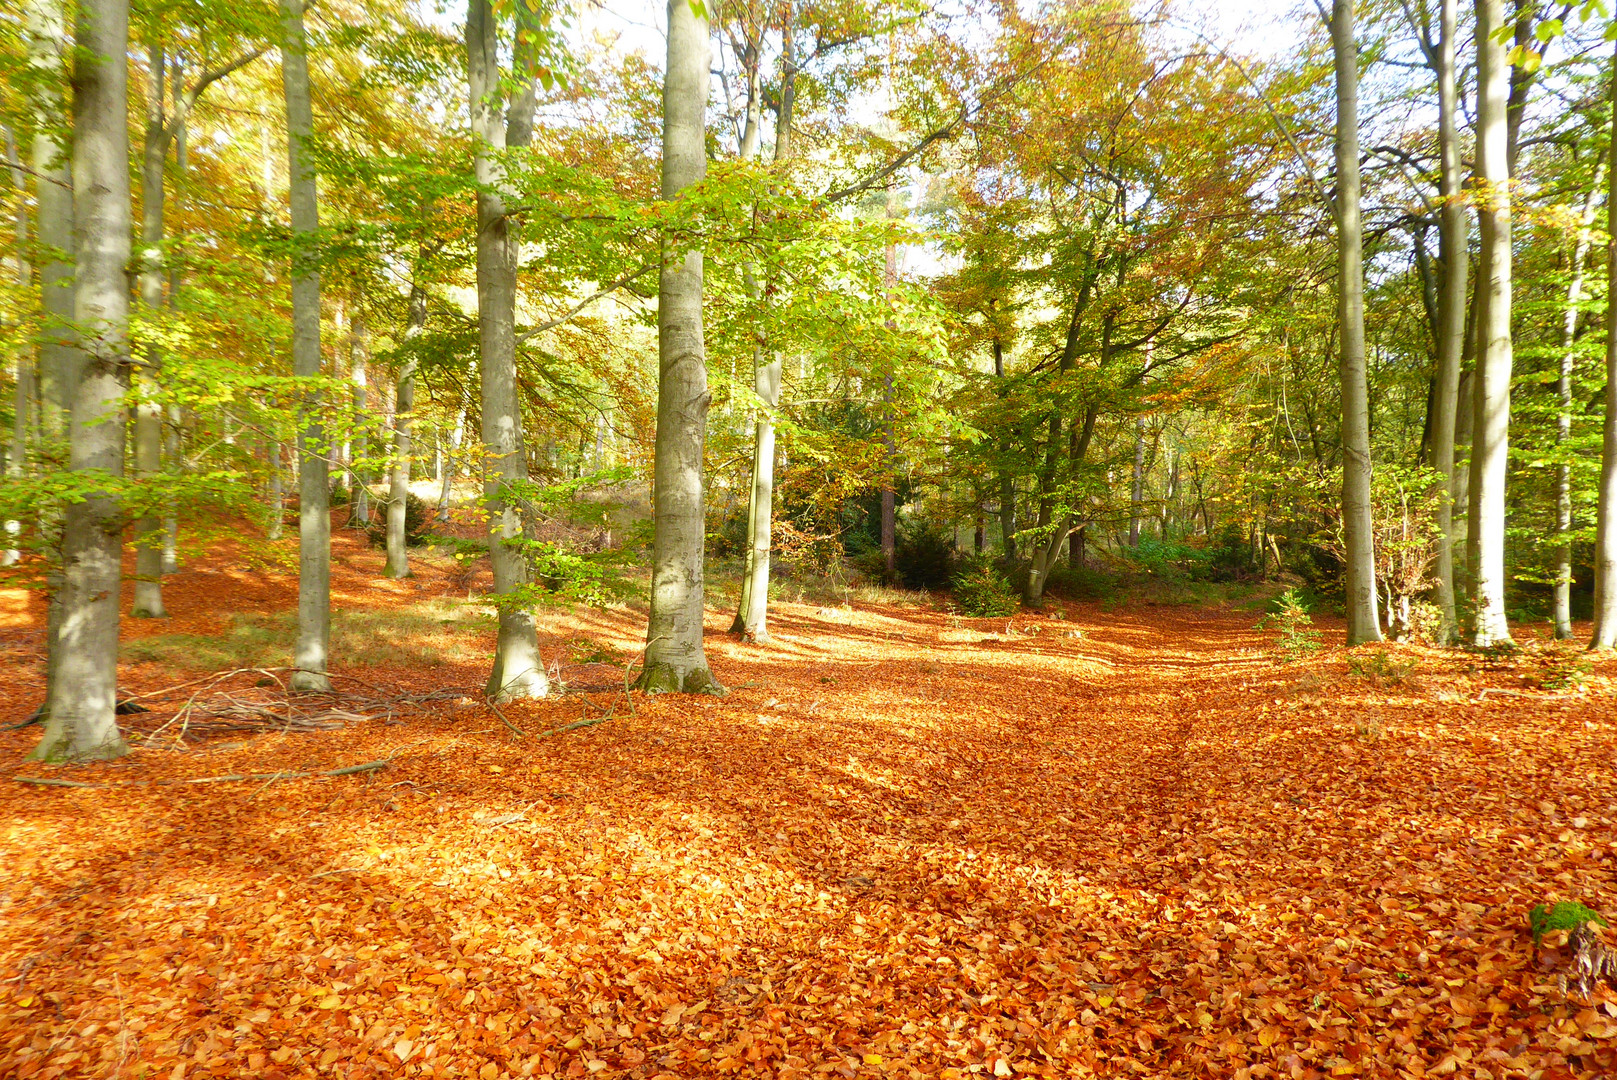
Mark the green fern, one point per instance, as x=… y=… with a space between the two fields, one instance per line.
x=1565 y=915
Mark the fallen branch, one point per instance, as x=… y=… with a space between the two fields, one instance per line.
x=346 y=770
x=519 y=732
x=574 y=726
x=44 y=781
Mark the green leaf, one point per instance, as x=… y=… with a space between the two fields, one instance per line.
x=1548 y=30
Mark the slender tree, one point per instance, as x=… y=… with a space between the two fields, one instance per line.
x=1455 y=257
x=1364 y=624
x=1491 y=424
x=22 y=416
x=1564 y=521
x=518 y=671
x=80 y=722
x=1605 y=631
x=314 y=470
x=398 y=493
x=752 y=612
x=675 y=660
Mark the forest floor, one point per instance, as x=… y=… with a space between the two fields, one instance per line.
x=1126 y=842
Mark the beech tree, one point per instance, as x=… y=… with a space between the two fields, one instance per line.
x=80 y=722
x=675 y=659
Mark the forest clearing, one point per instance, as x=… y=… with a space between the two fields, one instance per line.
x=808 y=538
x=1083 y=842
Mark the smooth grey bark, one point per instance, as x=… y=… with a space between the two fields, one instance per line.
x=1137 y=489
x=446 y=467
x=149 y=410
x=398 y=556
x=1564 y=519
x=675 y=660
x=752 y=612
x=1455 y=257
x=277 y=492
x=314 y=473
x=359 y=371
x=1491 y=424
x=889 y=497
x=1007 y=479
x=59 y=355
x=1357 y=528
x=80 y=721
x=176 y=281
x=22 y=419
x=519 y=671
x=1605 y=628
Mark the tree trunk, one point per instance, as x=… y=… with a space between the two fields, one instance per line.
x=1563 y=421
x=359 y=367
x=22 y=420
x=1454 y=254
x=1491 y=426
x=1605 y=631
x=447 y=468
x=398 y=494
x=674 y=657
x=1360 y=573
x=176 y=279
x=752 y=613
x=149 y=410
x=1137 y=491
x=518 y=671
x=314 y=475
x=277 y=493
x=1007 y=479
x=59 y=356
x=889 y=497
x=80 y=721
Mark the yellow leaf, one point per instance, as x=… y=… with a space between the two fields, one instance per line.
x=489 y=1071
x=495 y=769
x=403 y=1048
x=26 y=1001
x=574 y=1043
x=1104 y=1000
x=1269 y=1035
x=1002 y=1067
x=329 y=1056
x=435 y=979
x=872 y=1059
x=331 y=1001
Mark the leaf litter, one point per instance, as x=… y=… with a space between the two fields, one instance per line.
x=906 y=845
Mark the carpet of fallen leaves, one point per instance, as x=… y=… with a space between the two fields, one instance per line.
x=1119 y=843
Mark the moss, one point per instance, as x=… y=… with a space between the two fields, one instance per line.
x=1565 y=915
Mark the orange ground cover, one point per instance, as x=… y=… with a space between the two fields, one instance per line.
x=905 y=845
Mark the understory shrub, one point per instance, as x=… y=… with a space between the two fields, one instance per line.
x=1297 y=636
x=417 y=516
x=981 y=590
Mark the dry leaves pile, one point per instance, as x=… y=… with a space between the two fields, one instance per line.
x=911 y=847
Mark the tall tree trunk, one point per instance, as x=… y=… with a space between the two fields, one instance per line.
x=1563 y=420
x=149 y=410
x=446 y=469
x=1605 y=631
x=359 y=368
x=518 y=671
x=22 y=420
x=1358 y=535
x=398 y=494
x=1491 y=428
x=60 y=360
x=176 y=280
x=314 y=471
x=889 y=497
x=277 y=492
x=1007 y=479
x=59 y=355
x=1454 y=253
x=81 y=723
x=752 y=612
x=674 y=657
x=1137 y=490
